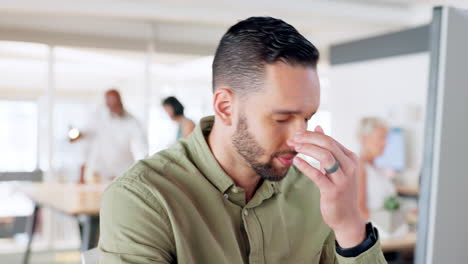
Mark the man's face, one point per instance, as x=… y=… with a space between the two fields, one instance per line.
x=114 y=103
x=265 y=120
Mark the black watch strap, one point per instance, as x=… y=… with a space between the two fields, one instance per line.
x=372 y=236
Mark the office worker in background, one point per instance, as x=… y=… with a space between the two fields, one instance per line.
x=375 y=186
x=175 y=110
x=114 y=139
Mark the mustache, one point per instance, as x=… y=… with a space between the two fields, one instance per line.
x=282 y=152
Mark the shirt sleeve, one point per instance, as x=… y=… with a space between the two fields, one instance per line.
x=329 y=255
x=134 y=228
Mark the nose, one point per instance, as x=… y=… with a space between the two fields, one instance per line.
x=299 y=125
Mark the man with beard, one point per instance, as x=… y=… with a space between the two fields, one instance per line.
x=230 y=193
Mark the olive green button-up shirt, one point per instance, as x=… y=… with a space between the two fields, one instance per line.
x=179 y=206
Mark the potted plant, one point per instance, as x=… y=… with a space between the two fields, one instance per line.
x=390 y=217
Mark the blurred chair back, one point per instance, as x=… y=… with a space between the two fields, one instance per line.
x=90 y=257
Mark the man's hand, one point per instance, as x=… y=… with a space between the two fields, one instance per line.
x=339 y=190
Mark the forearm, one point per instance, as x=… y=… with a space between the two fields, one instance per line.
x=351 y=234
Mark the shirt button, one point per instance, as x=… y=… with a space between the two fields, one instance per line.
x=235 y=190
x=226 y=196
x=246 y=213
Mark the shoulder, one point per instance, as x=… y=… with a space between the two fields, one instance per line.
x=133 y=122
x=153 y=173
x=131 y=118
x=188 y=122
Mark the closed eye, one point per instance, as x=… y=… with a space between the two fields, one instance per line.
x=282 y=120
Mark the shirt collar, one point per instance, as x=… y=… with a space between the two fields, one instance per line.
x=203 y=158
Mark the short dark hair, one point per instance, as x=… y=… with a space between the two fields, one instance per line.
x=249 y=45
x=175 y=104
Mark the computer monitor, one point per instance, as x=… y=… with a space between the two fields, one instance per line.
x=394 y=154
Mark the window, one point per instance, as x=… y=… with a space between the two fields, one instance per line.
x=68 y=157
x=18 y=136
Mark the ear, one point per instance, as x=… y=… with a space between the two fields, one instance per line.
x=223 y=102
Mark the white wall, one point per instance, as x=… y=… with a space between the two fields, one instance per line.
x=391 y=88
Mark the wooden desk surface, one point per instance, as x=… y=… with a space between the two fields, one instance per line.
x=410 y=190
x=408 y=242
x=72 y=199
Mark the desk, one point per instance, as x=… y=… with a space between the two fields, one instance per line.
x=407 y=242
x=408 y=190
x=77 y=200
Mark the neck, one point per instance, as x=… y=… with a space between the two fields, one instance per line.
x=179 y=119
x=234 y=165
x=367 y=157
x=118 y=114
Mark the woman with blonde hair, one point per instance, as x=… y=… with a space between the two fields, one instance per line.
x=375 y=187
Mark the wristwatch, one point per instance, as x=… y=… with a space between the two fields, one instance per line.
x=372 y=236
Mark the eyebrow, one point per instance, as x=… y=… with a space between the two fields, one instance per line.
x=289 y=112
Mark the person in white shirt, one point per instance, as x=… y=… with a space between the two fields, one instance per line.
x=375 y=187
x=114 y=141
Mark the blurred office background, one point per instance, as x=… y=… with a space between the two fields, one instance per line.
x=57 y=58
